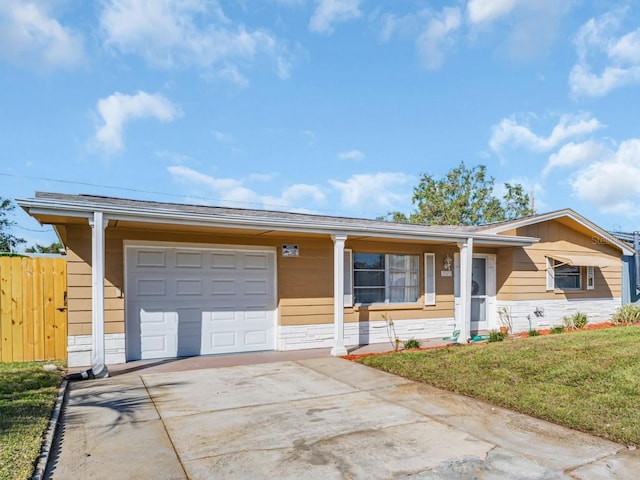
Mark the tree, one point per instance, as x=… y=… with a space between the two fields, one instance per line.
x=464 y=197
x=8 y=242
x=55 y=247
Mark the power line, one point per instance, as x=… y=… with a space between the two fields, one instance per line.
x=209 y=200
x=33 y=229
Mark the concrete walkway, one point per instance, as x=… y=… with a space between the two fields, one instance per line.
x=324 y=418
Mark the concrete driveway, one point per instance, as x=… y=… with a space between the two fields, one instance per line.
x=324 y=418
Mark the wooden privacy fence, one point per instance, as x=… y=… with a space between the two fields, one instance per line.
x=33 y=313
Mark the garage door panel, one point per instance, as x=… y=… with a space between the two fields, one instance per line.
x=223 y=287
x=256 y=261
x=227 y=341
x=199 y=302
x=224 y=260
x=255 y=338
x=188 y=259
x=191 y=286
x=150 y=258
x=145 y=287
x=154 y=345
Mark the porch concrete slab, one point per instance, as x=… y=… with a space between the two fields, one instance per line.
x=108 y=402
x=353 y=374
x=187 y=393
x=547 y=443
x=139 y=450
x=615 y=466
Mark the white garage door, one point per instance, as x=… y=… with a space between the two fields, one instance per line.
x=197 y=301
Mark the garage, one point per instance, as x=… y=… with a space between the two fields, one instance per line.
x=185 y=301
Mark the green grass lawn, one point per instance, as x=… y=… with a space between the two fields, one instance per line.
x=589 y=380
x=27 y=397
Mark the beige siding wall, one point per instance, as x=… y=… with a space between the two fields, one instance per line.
x=305 y=283
x=521 y=272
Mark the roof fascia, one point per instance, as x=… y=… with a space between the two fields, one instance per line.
x=559 y=214
x=115 y=212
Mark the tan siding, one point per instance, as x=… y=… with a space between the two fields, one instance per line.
x=526 y=280
x=304 y=283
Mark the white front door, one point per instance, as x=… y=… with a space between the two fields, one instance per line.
x=184 y=301
x=483 y=292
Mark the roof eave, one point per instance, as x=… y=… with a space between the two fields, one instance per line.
x=398 y=231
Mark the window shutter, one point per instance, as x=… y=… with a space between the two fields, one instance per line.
x=429 y=278
x=590 y=278
x=348 y=278
x=551 y=280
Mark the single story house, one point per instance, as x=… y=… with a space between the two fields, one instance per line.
x=156 y=280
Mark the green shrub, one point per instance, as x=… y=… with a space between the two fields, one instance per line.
x=533 y=333
x=496 y=336
x=412 y=343
x=576 y=321
x=627 y=314
x=557 y=329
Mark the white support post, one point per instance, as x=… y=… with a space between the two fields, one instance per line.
x=466 y=265
x=338 y=295
x=98 y=226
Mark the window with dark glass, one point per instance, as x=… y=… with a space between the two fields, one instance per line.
x=567 y=277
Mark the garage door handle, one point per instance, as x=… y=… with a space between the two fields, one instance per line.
x=62 y=309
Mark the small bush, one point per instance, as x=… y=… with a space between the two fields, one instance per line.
x=533 y=333
x=557 y=329
x=496 y=336
x=412 y=343
x=627 y=314
x=576 y=321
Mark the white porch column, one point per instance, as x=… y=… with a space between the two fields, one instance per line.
x=466 y=265
x=338 y=295
x=98 y=226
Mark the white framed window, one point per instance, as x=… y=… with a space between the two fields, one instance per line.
x=385 y=278
x=563 y=276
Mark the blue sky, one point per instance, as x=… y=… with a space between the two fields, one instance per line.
x=323 y=106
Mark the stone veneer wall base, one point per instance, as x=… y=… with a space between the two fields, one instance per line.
x=300 y=337
x=550 y=312
x=79 y=349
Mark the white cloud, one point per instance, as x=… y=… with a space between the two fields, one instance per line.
x=573 y=154
x=30 y=36
x=234 y=193
x=431 y=30
x=366 y=194
x=612 y=184
x=118 y=109
x=596 y=42
x=509 y=132
x=383 y=191
x=435 y=38
x=330 y=12
x=351 y=155
x=173 y=33
x=486 y=11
